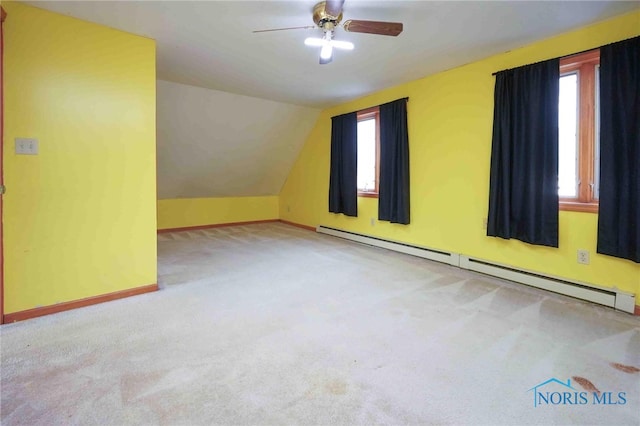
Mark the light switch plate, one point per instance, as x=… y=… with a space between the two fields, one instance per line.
x=26 y=146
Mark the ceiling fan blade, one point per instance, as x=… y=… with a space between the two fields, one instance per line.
x=373 y=27
x=308 y=27
x=333 y=7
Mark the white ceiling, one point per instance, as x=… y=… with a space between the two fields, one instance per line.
x=210 y=43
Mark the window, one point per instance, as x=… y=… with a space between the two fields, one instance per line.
x=368 y=152
x=579 y=133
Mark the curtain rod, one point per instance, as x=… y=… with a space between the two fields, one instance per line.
x=565 y=56
x=384 y=103
x=364 y=109
x=550 y=59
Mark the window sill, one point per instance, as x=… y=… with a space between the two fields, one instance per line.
x=575 y=206
x=367 y=194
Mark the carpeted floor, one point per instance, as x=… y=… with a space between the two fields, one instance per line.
x=270 y=324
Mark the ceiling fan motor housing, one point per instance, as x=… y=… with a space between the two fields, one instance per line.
x=323 y=19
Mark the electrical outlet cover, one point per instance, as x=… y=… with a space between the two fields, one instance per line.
x=583 y=257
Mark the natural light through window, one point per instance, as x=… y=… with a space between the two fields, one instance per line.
x=367 y=155
x=578 y=132
x=568 y=137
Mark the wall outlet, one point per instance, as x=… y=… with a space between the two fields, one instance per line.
x=26 y=146
x=288 y=209
x=583 y=257
x=373 y=221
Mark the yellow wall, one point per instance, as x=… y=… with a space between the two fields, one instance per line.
x=450 y=120
x=185 y=212
x=79 y=218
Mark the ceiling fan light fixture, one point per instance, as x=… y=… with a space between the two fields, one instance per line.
x=314 y=41
x=327 y=50
x=345 y=45
x=327 y=43
x=321 y=42
x=327 y=16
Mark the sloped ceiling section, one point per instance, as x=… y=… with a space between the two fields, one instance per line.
x=211 y=44
x=218 y=144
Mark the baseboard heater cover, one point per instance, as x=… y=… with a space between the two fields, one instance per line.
x=613 y=298
x=424 y=252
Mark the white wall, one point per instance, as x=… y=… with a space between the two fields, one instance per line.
x=218 y=144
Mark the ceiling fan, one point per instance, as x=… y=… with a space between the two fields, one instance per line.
x=327 y=16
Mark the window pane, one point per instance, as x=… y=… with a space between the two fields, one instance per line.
x=367 y=155
x=568 y=141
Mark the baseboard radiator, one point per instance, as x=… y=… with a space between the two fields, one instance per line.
x=613 y=298
x=427 y=253
x=604 y=296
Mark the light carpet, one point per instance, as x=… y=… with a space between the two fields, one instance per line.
x=271 y=324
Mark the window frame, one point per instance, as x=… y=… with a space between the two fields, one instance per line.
x=368 y=114
x=584 y=64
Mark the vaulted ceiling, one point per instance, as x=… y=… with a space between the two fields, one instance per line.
x=210 y=43
x=246 y=101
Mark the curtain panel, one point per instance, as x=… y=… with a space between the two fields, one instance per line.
x=523 y=193
x=393 y=195
x=343 y=178
x=619 y=210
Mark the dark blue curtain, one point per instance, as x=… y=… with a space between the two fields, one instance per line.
x=343 y=179
x=523 y=193
x=619 y=211
x=393 y=196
